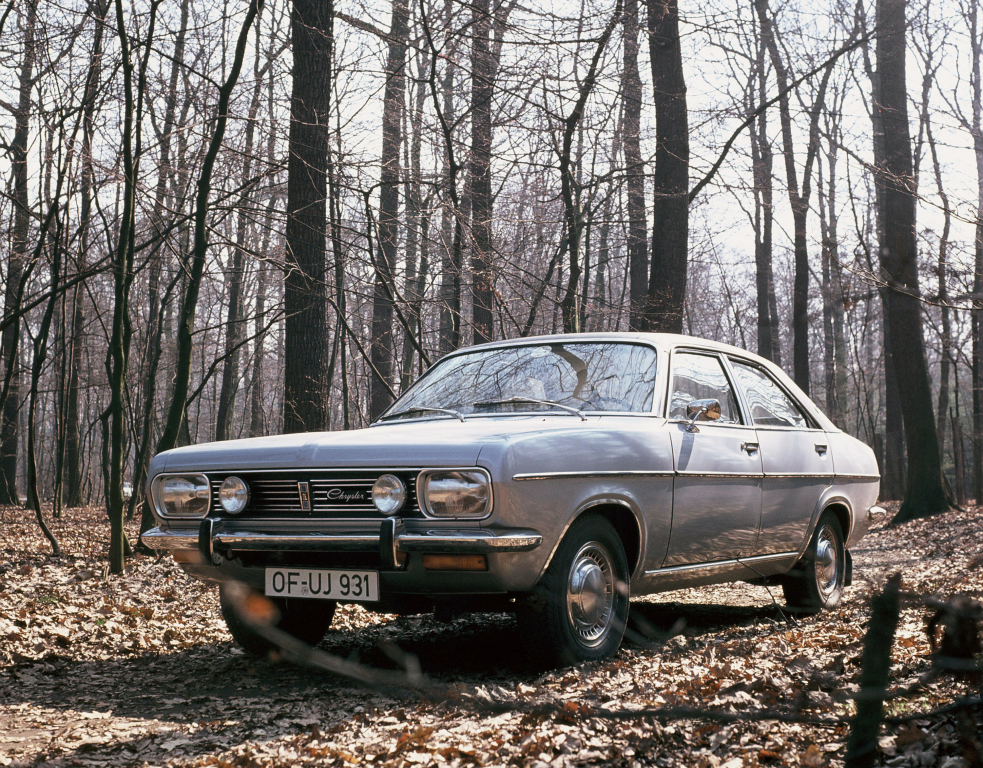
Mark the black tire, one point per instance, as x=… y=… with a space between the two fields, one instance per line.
x=817 y=580
x=307 y=620
x=579 y=609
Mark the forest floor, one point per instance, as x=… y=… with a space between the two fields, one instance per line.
x=138 y=669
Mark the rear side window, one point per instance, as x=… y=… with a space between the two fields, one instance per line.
x=700 y=377
x=770 y=406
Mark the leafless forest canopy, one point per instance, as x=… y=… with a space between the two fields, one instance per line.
x=231 y=219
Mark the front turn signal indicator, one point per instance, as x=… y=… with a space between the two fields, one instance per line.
x=455 y=562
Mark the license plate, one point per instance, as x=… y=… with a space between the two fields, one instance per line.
x=326 y=585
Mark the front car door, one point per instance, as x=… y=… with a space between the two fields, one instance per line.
x=795 y=459
x=717 y=490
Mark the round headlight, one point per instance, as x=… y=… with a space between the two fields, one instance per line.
x=233 y=495
x=388 y=494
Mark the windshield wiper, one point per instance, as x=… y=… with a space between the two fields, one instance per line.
x=568 y=408
x=425 y=409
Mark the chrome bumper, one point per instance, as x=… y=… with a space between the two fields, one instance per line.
x=392 y=537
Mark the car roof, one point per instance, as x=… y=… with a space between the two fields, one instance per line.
x=667 y=342
x=664 y=341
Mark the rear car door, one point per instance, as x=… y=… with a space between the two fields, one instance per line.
x=716 y=506
x=795 y=459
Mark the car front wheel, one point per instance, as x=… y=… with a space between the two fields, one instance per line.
x=817 y=581
x=307 y=620
x=580 y=608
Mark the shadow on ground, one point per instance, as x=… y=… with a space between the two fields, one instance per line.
x=473 y=650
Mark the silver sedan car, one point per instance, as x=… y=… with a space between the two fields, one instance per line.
x=555 y=476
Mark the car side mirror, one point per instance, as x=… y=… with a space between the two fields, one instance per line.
x=702 y=410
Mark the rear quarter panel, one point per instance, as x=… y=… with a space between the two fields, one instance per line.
x=856 y=481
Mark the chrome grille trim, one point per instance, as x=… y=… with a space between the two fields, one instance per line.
x=279 y=496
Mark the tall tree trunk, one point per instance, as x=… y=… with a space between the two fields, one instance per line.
x=762 y=161
x=257 y=406
x=381 y=382
x=945 y=359
x=73 y=427
x=835 y=352
x=235 y=329
x=631 y=94
x=926 y=493
x=480 y=191
x=117 y=356
x=157 y=299
x=666 y=298
x=452 y=227
x=19 y=241
x=573 y=215
x=306 y=346
x=799 y=201
x=37 y=365
x=892 y=456
x=416 y=242
x=976 y=131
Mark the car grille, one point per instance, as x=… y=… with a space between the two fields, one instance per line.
x=332 y=494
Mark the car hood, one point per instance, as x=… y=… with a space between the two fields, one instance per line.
x=441 y=442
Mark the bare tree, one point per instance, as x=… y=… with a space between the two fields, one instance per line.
x=381 y=383
x=926 y=493
x=631 y=94
x=10 y=340
x=670 y=231
x=305 y=291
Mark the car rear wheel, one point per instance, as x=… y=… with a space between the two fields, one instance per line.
x=580 y=607
x=817 y=581
x=307 y=620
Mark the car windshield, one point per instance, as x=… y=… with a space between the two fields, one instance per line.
x=580 y=376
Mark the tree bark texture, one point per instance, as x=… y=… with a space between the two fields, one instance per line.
x=482 y=255
x=976 y=131
x=306 y=347
x=73 y=427
x=20 y=234
x=798 y=200
x=382 y=351
x=666 y=297
x=762 y=162
x=235 y=328
x=573 y=215
x=631 y=94
x=925 y=493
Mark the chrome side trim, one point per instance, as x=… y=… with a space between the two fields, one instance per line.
x=449 y=541
x=681 y=473
x=469 y=541
x=757 y=559
x=589 y=474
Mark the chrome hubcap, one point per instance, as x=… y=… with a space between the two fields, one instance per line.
x=590 y=593
x=826 y=564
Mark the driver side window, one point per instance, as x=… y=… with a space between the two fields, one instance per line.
x=699 y=377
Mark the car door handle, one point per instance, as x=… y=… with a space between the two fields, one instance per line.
x=821 y=448
x=749 y=447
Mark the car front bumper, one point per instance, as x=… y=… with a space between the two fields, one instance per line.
x=229 y=550
x=390 y=538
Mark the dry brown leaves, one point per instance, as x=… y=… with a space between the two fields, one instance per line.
x=138 y=670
